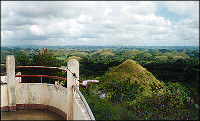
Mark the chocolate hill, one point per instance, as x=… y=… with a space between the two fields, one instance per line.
x=131 y=70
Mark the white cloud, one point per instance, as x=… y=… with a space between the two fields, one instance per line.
x=187 y=32
x=144 y=7
x=85 y=18
x=99 y=22
x=107 y=12
x=125 y=8
x=36 y=30
x=76 y=29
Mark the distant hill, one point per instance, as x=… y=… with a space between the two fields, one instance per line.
x=86 y=47
x=104 y=52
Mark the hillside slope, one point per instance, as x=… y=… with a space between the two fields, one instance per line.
x=132 y=85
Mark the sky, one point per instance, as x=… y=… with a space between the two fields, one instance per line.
x=137 y=23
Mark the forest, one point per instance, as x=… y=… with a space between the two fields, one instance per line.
x=139 y=83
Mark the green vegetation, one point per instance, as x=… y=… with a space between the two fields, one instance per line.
x=145 y=84
x=149 y=98
x=103 y=109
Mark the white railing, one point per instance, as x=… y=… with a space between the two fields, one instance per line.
x=85 y=103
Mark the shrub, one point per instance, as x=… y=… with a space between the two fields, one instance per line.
x=103 y=109
x=171 y=104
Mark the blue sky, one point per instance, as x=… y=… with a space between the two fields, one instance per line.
x=60 y=23
x=169 y=15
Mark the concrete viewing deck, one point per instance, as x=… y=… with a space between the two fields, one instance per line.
x=31 y=115
x=42 y=101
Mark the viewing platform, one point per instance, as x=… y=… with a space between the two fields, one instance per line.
x=43 y=101
x=31 y=115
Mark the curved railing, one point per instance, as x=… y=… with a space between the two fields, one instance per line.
x=44 y=67
x=42 y=76
x=55 y=77
x=85 y=103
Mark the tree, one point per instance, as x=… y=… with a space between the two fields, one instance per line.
x=23 y=60
x=45 y=58
x=42 y=58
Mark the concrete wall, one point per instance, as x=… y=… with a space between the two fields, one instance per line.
x=80 y=111
x=4 y=92
x=4 y=79
x=43 y=94
x=72 y=79
x=36 y=95
x=4 y=95
x=46 y=94
x=10 y=71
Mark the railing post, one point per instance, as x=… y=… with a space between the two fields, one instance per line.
x=72 y=76
x=41 y=79
x=20 y=78
x=10 y=69
x=57 y=82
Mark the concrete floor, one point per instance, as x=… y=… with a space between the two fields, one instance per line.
x=31 y=115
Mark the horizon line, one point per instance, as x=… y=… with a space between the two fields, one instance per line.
x=108 y=45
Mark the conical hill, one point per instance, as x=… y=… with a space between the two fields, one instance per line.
x=132 y=71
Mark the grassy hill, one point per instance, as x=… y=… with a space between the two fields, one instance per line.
x=132 y=85
x=137 y=75
x=104 y=52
